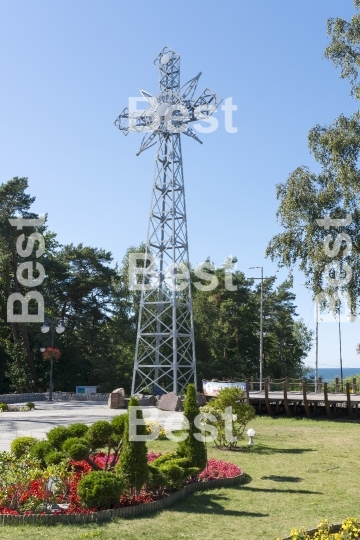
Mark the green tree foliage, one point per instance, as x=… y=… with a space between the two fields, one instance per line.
x=97 y=346
x=306 y=196
x=240 y=414
x=133 y=465
x=15 y=343
x=227 y=329
x=344 y=49
x=287 y=341
x=191 y=448
x=101 y=309
x=226 y=323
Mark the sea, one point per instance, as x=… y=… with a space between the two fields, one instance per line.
x=329 y=374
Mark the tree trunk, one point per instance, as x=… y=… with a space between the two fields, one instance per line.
x=29 y=353
x=23 y=330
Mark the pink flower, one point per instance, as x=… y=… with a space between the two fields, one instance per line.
x=218 y=469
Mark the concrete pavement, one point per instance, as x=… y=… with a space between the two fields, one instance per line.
x=47 y=415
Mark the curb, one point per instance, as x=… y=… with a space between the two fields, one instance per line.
x=311 y=532
x=124 y=512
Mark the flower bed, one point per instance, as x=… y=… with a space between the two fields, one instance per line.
x=67 y=478
x=16 y=408
x=38 y=497
x=348 y=530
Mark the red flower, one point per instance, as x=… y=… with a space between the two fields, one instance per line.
x=51 y=353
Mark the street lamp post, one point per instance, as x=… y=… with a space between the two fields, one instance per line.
x=261 y=320
x=341 y=367
x=53 y=325
x=316 y=342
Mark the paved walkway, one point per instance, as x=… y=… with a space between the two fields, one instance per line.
x=47 y=415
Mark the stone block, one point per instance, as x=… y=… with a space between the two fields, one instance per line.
x=147 y=401
x=116 y=399
x=169 y=402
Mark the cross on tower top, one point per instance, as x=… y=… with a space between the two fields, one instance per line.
x=173 y=109
x=168 y=63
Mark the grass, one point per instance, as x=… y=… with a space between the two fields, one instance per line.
x=300 y=471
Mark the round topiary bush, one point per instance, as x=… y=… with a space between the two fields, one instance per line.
x=100 y=489
x=99 y=433
x=54 y=457
x=57 y=436
x=77 y=430
x=22 y=445
x=76 y=449
x=40 y=449
x=118 y=423
x=30 y=405
x=4 y=407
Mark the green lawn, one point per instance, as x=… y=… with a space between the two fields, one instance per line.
x=299 y=472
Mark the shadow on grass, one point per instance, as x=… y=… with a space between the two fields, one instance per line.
x=261 y=449
x=274 y=490
x=276 y=478
x=209 y=503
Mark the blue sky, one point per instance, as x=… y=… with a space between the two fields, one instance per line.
x=68 y=69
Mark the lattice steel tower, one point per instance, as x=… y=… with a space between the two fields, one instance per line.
x=165 y=352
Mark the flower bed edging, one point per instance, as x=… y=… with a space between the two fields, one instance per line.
x=311 y=532
x=124 y=512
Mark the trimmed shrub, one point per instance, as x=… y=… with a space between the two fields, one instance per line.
x=173 y=474
x=57 y=436
x=30 y=405
x=191 y=448
x=100 y=489
x=99 y=434
x=54 y=457
x=164 y=459
x=171 y=471
x=156 y=480
x=39 y=451
x=118 y=423
x=76 y=449
x=133 y=461
x=77 y=430
x=21 y=446
x=4 y=407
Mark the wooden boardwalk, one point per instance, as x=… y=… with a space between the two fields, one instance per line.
x=303 y=402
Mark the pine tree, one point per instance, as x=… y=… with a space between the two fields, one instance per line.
x=133 y=461
x=191 y=448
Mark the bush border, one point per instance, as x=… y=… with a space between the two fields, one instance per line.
x=123 y=512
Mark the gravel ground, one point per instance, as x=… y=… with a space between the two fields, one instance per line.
x=47 y=415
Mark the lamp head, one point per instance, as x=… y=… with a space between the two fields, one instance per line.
x=45 y=327
x=251 y=433
x=60 y=327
